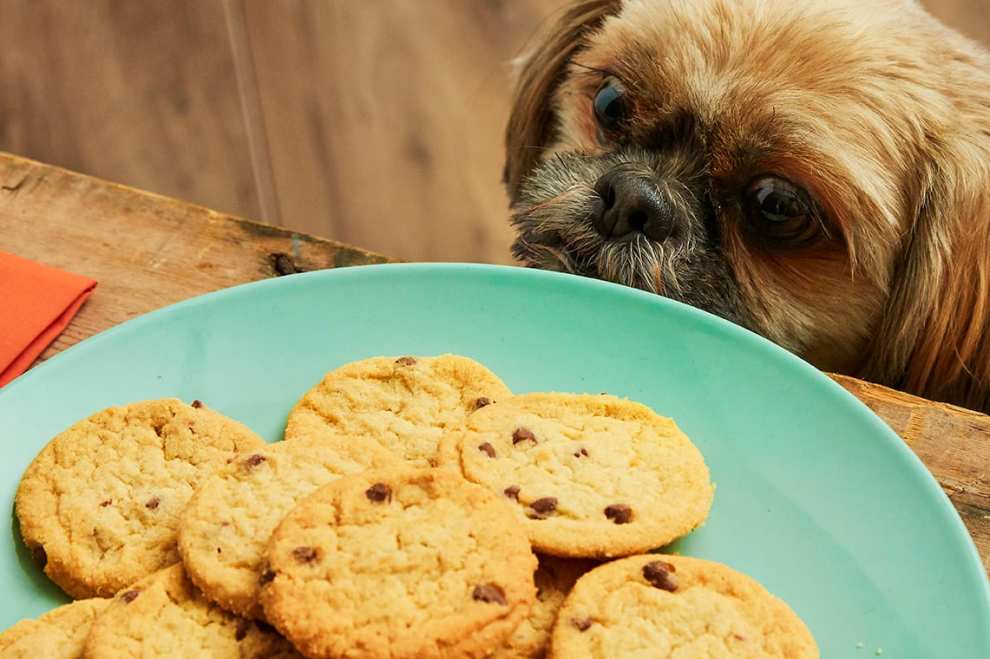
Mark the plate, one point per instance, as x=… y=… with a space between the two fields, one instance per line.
x=816 y=498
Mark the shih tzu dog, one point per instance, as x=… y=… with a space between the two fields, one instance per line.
x=817 y=171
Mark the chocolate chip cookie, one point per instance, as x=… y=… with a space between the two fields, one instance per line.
x=406 y=404
x=164 y=615
x=59 y=634
x=99 y=505
x=588 y=476
x=398 y=563
x=674 y=606
x=225 y=527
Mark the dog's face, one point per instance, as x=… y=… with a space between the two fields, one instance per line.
x=769 y=161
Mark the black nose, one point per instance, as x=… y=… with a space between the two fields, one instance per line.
x=630 y=203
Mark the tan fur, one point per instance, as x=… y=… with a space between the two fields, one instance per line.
x=878 y=110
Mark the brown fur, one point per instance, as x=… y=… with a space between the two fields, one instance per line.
x=874 y=107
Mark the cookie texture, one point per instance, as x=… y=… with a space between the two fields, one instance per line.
x=405 y=403
x=398 y=563
x=164 y=615
x=588 y=476
x=226 y=526
x=554 y=579
x=674 y=606
x=59 y=634
x=99 y=505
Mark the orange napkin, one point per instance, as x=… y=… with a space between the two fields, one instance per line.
x=36 y=304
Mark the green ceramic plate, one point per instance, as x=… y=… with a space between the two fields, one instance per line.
x=816 y=498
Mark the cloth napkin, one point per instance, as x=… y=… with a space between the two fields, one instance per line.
x=36 y=304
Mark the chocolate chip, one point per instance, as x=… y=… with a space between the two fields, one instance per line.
x=523 y=435
x=583 y=451
x=405 y=361
x=490 y=593
x=582 y=624
x=305 y=554
x=130 y=596
x=512 y=492
x=152 y=503
x=484 y=401
x=40 y=556
x=264 y=627
x=254 y=460
x=197 y=403
x=619 y=513
x=267 y=576
x=379 y=492
x=242 y=629
x=487 y=449
x=219 y=551
x=544 y=505
x=105 y=503
x=658 y=574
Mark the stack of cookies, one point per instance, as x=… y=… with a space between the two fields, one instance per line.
x=398 y=518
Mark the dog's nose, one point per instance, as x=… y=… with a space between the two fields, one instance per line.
x=630 y=203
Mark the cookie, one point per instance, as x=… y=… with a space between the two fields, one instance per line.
x=164 y=615
x=589 y=476
x=59 y=634
x=674 y=606
x=99 y=505
x=554 y=579
x=405 y=403
x=227 y=523
x=398 y=563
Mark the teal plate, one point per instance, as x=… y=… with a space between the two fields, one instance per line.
x=816 y=498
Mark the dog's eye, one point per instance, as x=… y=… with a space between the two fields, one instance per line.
x=610 y=105
x=781 y=212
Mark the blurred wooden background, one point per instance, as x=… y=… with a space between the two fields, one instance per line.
x=374 y=122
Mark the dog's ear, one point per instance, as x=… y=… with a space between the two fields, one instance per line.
x=933 y=339
x=540 y=70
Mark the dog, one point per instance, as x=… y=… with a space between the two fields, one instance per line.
x=817 y=171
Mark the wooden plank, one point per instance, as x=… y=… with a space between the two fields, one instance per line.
x=385 y=119
x=145 y=251
x=139 y=92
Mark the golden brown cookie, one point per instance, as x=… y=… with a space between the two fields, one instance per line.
x=99 y=505
x=164 y=615
x=225 y=527
x=59 y=634
x=674 y=606
x=398 y=563
x=405 y=403
x=554 y=579
x=589 y=476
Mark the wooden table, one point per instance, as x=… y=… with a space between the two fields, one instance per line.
x=148 y=251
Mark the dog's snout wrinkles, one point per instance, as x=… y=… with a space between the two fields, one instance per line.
x=630 y=204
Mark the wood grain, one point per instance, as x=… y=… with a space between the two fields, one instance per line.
x=138 y=92
x=388 y=131
x=148 y=251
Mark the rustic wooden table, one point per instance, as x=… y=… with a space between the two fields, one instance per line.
x=148 y=251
